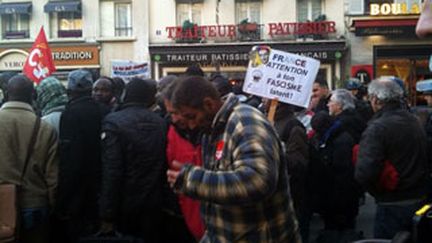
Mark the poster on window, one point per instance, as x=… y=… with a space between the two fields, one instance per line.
x=275 y=74
x=128 y=69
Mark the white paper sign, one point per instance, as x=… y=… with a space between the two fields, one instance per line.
x=280 y=75
x=128 y=69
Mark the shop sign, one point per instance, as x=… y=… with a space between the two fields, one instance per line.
x=13 y=60
x=309 y=28
x=386 y=30
x=227 y=59
x=363 y=72
x=314 y=54
x=72 y=55
x=63 y=56
x=75 y=55
x=231 y=30
x=207 y=57
x=394 y=9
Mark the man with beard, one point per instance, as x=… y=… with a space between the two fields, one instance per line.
x=243 y=185
x=320 y=95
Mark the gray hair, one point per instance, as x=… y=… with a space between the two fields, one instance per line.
x=385 y=89
x=344 y=98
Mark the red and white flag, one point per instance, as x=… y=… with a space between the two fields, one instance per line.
x=39 y=64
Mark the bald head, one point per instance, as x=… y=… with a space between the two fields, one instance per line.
x=20 y=88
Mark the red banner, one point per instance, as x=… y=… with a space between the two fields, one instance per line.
x=39 y=64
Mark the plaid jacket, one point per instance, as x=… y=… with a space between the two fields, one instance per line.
x=243 y=185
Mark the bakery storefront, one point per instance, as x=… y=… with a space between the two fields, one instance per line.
x=396 y=51
x=231 y=56
x=66 y=58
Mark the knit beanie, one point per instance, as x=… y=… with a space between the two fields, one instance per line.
x=141 y=91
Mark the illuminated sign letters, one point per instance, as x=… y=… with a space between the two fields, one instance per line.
x=393 y=9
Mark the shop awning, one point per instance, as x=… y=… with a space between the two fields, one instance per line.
x=189 y=1
x=15 y=8
x=70 y=6
x=326 y=51
x=365 y=27
x=403 y=51
x=246 y=47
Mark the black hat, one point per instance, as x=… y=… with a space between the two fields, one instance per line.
x=222 y=84
x=141 y=91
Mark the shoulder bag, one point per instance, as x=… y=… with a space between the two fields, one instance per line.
x=9 y=206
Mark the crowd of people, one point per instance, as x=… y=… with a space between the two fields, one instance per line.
x=183 y=159
x=192 y=159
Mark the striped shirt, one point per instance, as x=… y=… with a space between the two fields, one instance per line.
x=243 y=185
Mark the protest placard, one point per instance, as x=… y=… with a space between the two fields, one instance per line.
x=275 y=74
x=129 y=69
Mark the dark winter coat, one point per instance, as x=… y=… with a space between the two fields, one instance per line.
x=79 y=168
x=394 y=135
x=293 y=134
x=428 y=129
x=333 y=186
x=353 y=123
x=133 y=163
x=363 y=109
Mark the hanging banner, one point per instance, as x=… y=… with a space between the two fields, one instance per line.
x=275 y=74
x=129 y=69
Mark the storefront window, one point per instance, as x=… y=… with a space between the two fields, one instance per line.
x=123 y=19
x=308 y=10
x=248 y=10
x=15 y=26
x=188 y=12
x=410 y=68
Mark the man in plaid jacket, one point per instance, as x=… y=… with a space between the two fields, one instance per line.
x=243 y=185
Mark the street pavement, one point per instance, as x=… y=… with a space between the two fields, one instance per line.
x=364 y=220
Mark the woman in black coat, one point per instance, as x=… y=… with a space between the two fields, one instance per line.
x=335 y=192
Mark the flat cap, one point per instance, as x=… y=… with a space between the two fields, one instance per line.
x=80 y=80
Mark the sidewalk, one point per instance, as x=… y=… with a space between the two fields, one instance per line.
x=365 y=220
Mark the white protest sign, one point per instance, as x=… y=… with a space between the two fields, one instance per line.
x=280 y=75
x=128 y=69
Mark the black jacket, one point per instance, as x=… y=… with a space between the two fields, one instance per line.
x=133 y=163
x=79 y=168
x=332 y=185
x=293 y=134
x=353 y=123
x=394 y=135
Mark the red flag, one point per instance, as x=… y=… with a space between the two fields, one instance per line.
x=39 y=63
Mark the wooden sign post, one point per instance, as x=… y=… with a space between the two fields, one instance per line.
x=272 y=110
